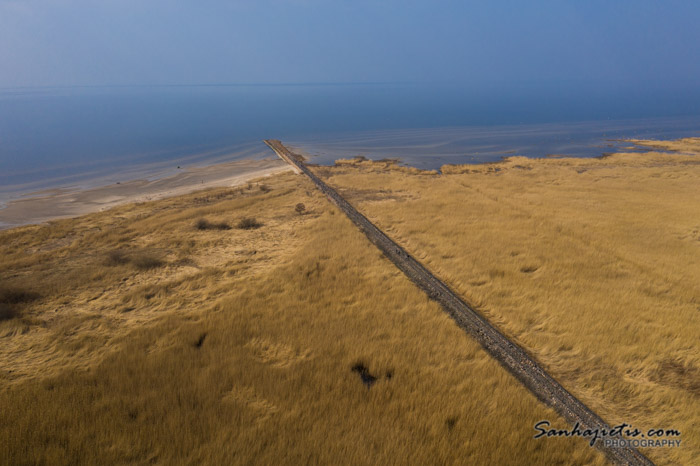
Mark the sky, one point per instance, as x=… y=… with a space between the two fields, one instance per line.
x=633 y=43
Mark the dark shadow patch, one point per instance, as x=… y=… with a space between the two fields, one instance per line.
x=529 y=268
x=48 y=385
x=451 y=422
x=367 y=378
x=12 y=298
x=680 y=374
x=389 y=374
x=200 y=340
x=17 y=296
x=316 y=270
x=116 y=257
x=204 y=224
x=142 y=260
x=8 y=312
x=185 y=262
x=146 y=261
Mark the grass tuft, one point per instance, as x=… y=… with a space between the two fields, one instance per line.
x=146 y=261
x=116 y=257
x=142 y=260
x=248 y=223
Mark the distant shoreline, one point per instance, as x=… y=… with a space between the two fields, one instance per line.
x=53 y=204
x=67 y=202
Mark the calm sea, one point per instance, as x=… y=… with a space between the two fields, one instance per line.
x=84 y=136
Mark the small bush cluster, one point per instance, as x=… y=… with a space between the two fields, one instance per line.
x=146 y=261
x=142 y=260
x=17 y=296
x=116 y=257
x=204 y=224
x=8 y=312
x=248 y=223
x=10 y=298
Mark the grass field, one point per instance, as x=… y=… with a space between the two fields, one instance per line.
x=592 y=265
x=228 y=326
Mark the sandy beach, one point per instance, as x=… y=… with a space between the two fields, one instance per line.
x=51 y=204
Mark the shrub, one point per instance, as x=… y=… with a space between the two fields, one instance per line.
x=204 y=224
x=265 y=188
x=142 y=260
x=300 y=208
x=7 y=312
x=116 y=257
x=248 y=223
x=146 y=261
x=17 y=296
x=10 y=297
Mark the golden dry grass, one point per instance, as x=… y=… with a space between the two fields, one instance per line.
x=592 y=265
x=144 y=339
x=684 y=145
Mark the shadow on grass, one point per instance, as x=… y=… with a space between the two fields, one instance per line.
x=11 y=299
x=142 y=260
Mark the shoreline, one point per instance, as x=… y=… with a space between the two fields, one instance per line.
x=180 y=278
x=42 y=206
x=53 y=204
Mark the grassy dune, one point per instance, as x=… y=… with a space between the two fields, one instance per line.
x=592 y=265
x=689 y=146
x=179 y=332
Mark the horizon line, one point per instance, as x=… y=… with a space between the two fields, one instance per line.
x=241 y=84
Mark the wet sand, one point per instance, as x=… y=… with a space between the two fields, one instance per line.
x=53 y=204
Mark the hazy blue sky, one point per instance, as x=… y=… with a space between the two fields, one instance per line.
x=639 y=43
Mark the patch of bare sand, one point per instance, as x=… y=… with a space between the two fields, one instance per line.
x=66 y=203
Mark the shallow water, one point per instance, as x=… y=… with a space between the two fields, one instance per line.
x=94 y=136
x=431 y=148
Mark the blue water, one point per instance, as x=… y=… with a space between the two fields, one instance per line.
x=58 y=137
